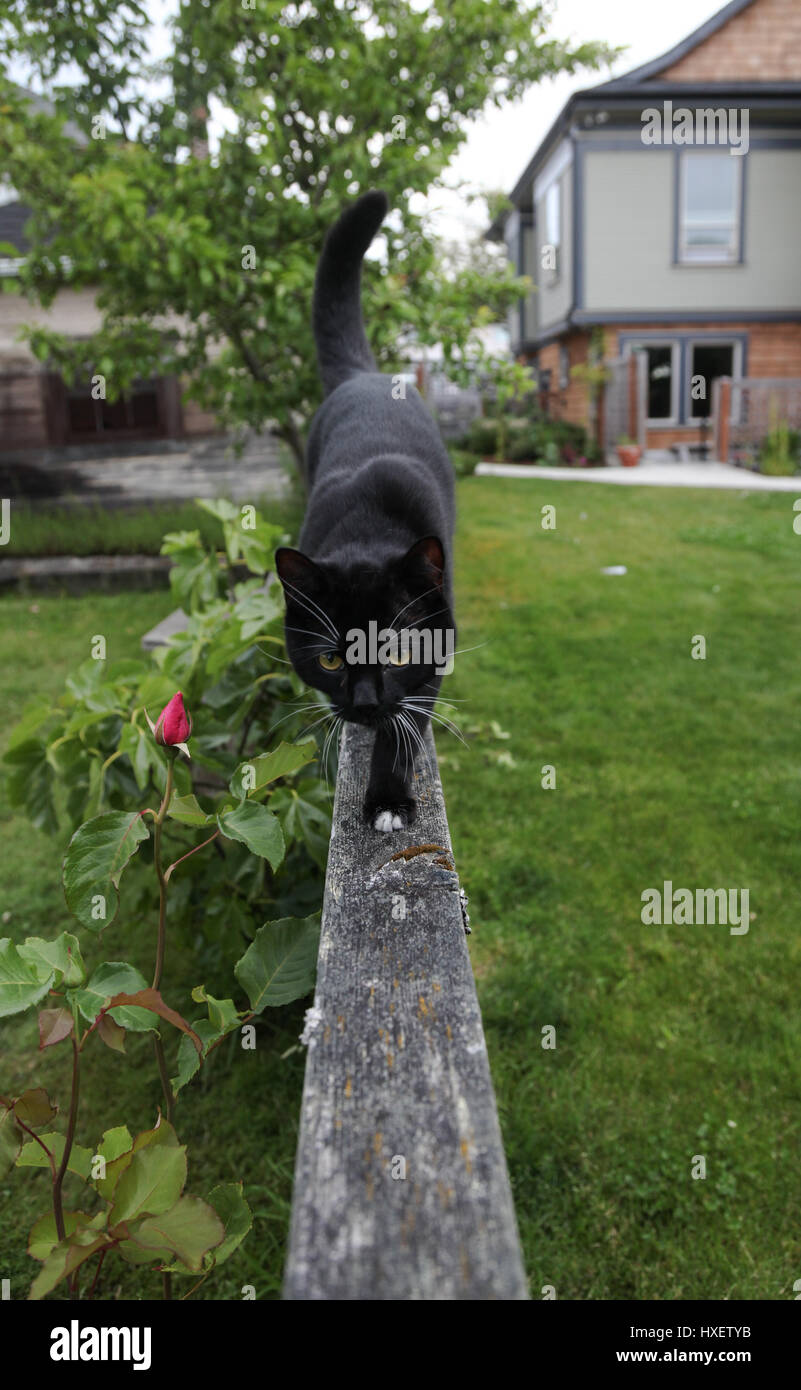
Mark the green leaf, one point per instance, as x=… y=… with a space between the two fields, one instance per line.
x=147 y=759
x=30 y=783
x=118 y=1158
x=235 y=1214
x=94 y=862
x=62 y=955
x=223 y=1013
x=110 y=978
x=10 y=1138
x=65 y=1258
x=33 y=1156
x=280 y=964
x=44 y=1237
x=150 y=1185
x=115 y=1142
x=188 y=1060
x=188 y=1230
x=188 y=811
x=257 y=828
x=251 y=777
x=21 y=981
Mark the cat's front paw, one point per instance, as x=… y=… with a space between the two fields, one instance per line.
x=385 y=819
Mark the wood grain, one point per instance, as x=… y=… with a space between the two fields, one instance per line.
x=397 y=1077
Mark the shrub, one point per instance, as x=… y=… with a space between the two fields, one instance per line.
x=780 y=451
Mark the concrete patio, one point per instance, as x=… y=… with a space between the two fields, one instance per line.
x=163 y=473
x=651 y=474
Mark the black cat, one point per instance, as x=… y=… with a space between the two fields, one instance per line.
x=375 y=546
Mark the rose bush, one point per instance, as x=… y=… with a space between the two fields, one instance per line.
x=235 y=838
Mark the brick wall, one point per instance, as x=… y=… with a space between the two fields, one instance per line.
x=571 y=403
x=774 y=349
x=762 y=43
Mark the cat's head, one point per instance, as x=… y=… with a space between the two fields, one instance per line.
x=369 y=637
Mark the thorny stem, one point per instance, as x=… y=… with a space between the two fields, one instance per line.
x=169 y=1099
x=162 y=811
x=58 y=1181
x=189 y=853
x=51 y=1160
x=58 y=1209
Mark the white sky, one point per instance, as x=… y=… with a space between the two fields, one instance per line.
x=502 y=142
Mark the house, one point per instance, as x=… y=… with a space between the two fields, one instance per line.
x=39 y=410
x=661 y=217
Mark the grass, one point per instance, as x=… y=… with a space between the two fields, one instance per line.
x=671 y=1042
x=39 y=531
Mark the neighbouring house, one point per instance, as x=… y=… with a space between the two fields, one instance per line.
x=661 y=217
x=38 y=408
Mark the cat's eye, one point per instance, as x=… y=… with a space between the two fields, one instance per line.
x=330 y=661
x=400 y=657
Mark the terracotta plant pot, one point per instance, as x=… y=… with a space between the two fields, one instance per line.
x=629 y=454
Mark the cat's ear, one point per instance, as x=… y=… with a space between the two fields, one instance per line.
x=297 y=572
x=426 y=558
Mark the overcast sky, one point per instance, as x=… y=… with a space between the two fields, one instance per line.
x=501 y=144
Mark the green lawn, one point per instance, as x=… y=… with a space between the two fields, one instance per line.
x=671 y=1041
x=43 y=530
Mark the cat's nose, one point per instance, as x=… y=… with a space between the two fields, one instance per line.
x=364 y=697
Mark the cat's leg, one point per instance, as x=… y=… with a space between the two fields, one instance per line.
x=390 y=803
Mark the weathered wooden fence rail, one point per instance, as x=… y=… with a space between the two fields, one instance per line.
x=401 y=1189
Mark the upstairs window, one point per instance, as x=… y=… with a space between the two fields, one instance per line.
x=709 y=207
x=553 y=224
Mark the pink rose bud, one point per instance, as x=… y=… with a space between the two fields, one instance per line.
x=173 y=725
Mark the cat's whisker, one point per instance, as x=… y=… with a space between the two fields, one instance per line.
x=305 y=602
x=302 y=709
x=440 y=719
x=417 y=599
x=461 y=650
x=418 y=739
x=329 y=743
x=308 y=632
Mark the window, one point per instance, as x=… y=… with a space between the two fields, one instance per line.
x=709 y=207
x=553 y=224
x=662 y=380
x=134 y=413
x=708 y=361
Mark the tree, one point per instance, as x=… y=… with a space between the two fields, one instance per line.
x=204 y=263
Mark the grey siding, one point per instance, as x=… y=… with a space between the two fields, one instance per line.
x=628 y=236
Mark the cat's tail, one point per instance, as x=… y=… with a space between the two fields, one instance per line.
x=342 y=347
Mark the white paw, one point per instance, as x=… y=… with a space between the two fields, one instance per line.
x=387 y=821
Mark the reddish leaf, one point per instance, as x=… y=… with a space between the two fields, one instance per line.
x=152 y=1000
x=35 y=1108
x=54 y=1026
x=111 y=1033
